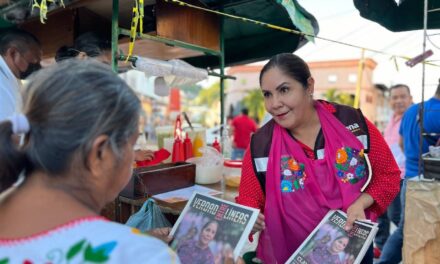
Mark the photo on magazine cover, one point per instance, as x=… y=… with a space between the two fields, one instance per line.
x=211 y=230
x=331 y=244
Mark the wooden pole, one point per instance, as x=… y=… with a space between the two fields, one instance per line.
x=359 y=79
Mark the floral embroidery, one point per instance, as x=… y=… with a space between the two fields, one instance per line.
x=82 y=250
x=293 y=165
x=136 y=231
x=350 y=165
x=75 y=249
x=88 y=253
x=100 y=253
x=292 y=175
x=341 y=156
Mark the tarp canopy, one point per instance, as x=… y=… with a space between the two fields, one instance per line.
x=405 y=16
x=245 y=42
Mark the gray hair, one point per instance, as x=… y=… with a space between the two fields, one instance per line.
x=68 y=105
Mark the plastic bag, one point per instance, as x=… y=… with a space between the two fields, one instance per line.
x=148 y=217
x=210 y=157
x=209 y=167
x=434 y=151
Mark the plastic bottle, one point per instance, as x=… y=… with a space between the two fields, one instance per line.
x=216 y=145
x=198 y=143
x=187 y=147
x=178 y=152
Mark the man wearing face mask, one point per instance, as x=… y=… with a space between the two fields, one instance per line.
x=20 y=55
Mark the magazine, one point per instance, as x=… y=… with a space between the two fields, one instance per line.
x=184 y=194
x=211 y=230
x=330 y=243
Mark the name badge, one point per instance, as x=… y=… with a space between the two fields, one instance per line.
x=261 y=164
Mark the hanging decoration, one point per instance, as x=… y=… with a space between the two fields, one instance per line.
x=141 y=16
x=137 y=18
x=43 y=6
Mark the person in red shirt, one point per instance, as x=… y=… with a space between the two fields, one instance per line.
x=243 y=126
x=312 y=157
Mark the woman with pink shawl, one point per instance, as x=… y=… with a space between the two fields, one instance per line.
x=313 y=156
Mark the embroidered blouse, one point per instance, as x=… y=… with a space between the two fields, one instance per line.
x=383 y=186
x=87 y=240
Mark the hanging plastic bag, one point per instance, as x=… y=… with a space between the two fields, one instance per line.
x=148 y=217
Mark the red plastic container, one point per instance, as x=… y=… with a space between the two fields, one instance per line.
x=187 y=147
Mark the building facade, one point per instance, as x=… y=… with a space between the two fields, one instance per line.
x=340 y=75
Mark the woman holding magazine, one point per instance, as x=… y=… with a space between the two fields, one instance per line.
x=312 y=156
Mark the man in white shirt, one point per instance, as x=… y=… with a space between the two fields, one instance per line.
x=20 y=55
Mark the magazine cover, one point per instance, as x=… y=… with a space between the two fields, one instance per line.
x=211 y=230
x=330 y=243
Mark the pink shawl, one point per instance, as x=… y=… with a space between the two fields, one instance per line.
x=300 y=191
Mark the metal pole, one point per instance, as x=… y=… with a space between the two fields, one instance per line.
x=115 y=35
x=422 y=104
x=222 y=78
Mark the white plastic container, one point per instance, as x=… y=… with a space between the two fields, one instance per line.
x=232 y=172
x=206 y=174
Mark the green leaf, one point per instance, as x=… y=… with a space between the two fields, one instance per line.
x=75 y=249
x=95 y=256
x=4 y=261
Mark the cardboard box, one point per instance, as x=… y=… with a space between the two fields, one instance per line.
x=148 y=181
x=422 y=223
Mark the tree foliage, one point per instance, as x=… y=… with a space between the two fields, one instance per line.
x=333 y=95
x=191 y=91
x=255 y=103
x=209 y=95
x=210 y=98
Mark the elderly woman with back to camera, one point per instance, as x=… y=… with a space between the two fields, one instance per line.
x=313 y=156
x=80 y=124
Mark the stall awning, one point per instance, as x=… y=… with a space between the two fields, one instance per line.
x=248 y=42
x=405 y=16
x=244 y=42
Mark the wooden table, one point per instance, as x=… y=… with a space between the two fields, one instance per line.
x=125 y=207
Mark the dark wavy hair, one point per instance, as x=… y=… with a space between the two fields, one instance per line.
x=289 y=64
x=20 y=38
x=92 y=44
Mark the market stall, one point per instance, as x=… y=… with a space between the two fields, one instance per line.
x=163 y=30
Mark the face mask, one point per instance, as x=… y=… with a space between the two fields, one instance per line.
x=32 y=67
